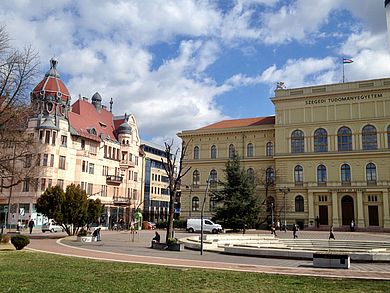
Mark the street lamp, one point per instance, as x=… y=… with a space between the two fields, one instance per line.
x=189 y=202
x=284 y=190
x=201 y=215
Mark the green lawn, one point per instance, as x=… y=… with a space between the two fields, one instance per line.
x=25 y=271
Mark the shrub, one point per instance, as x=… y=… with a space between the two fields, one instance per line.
x=172 y=241
x=20 y=241
x=4 y=239
x=83 y=232
x=180 y=224
x=162 y=225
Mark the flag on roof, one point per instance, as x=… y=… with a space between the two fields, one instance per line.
x=347 y=60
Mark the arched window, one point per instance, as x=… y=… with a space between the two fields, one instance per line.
x=213 y=153
x=345 y=173
x=269 y=152
x=388 y=136
x=213 y=204
x=320 y=140
x=195 y=178
x=299 y=203
x=195 y=204
x=196 y=153
x=297 y=142
x=251 y=174
x=232 y=151
x=344 y=139
x=369 y=140
x=321 y=174
x=213 y=177
x=371 y=173
x=249 y=150
x=269 y=176
x=298 y=174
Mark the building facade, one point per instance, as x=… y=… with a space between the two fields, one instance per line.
x=155 y=183
x=82 y=143
x=328 y=151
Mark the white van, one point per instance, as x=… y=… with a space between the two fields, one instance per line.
x=208 y=226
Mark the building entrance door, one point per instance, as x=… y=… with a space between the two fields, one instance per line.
x=347 y=210
x=323 y=211
x=373 y=219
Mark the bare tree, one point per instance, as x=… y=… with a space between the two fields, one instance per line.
x=18 y=69
x=267 y=179
x=175 y=171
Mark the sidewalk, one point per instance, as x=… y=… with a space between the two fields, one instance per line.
x=118 y=246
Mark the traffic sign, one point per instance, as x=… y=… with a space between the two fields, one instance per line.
x=21 y=211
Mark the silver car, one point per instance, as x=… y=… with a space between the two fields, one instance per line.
x=52 y=227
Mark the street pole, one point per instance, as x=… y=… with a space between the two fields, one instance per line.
x=201 y=215
x=284 y=190
x=189 y=201
x=272 y=213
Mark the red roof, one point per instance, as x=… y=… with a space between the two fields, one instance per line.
x=52 y=85
x=245 y=122
x=84 y=116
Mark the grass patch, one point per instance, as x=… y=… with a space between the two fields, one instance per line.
x=26 y=271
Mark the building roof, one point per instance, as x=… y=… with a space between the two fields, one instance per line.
x=245 y=122
x=84 y=117
x=51 y=84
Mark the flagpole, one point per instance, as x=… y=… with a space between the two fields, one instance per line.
x=342 y=61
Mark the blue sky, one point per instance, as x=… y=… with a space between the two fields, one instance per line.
x=183 y=64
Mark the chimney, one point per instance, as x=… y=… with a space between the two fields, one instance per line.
x=387 y=7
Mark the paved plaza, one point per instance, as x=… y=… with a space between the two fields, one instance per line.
x=124 y=247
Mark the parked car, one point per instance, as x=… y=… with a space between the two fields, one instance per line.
x=52 y=227
x=208 y=226
x=151 y=226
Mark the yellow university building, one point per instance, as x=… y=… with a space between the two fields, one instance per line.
x=326 y=151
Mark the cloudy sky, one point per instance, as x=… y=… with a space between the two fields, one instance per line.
x=183 y=64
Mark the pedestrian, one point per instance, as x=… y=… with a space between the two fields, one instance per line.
x=331 y=235
x=156 y=238
x=352 y=226
x=96 y=234
x=278 y=225
x=273 y=230
x=31 y=225
x=318 y=222
x=295 y=230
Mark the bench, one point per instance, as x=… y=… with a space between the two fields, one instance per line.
x=331 y=260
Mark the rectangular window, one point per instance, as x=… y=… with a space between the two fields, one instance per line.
x=82 y=185
x=90 y=189
x=136 y=161
x=135 y=193
x=27 y=162
x=51 y=160
x=45 y=159
x=91 y=168
x=105 y=151
x=38 y=160
x=84 y=166
x=92 y=149
x=135 y=176
x=41 y=135
x=83 y=144
x=105 y=171
x=43 y=184
x=60 y=183
x=104 y=190
x=62 y=162
x=64 y=141
x=47 y=137
x=26 y=185
x=50 y=183
x=53 y=141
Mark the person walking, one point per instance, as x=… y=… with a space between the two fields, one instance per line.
x=273 y=230
x=318 y=222
x=352 y=226
x=31 y=225
x=295 y=230
x=278 y=225
x=331 y=235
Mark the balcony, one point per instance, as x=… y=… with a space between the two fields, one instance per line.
x=114 y=180
x=121 y=200
x=126 y=164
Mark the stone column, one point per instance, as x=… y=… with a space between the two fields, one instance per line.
x=386 y=216
x=335 y=210
x=310 y=206
x=360 y=214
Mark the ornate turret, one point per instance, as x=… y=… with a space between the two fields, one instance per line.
x=97 y=101
x=51 y=97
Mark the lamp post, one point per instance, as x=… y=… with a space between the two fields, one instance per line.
x=201 y=215
x=272 y=214
x=284 y=190
x=189 y=200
